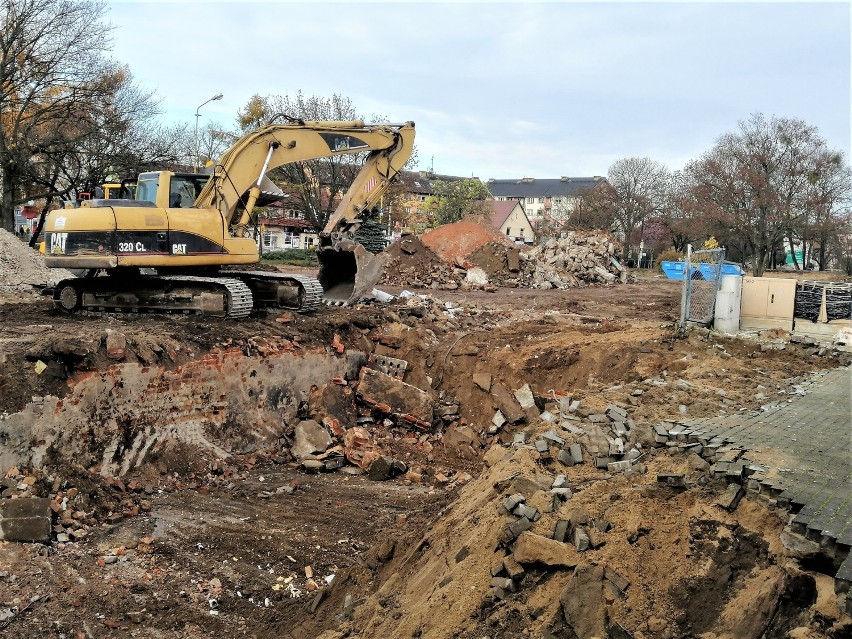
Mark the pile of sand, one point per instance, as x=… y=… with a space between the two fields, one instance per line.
x=454 y=242
x=22 y=269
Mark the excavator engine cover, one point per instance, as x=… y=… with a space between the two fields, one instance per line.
x=348 y=272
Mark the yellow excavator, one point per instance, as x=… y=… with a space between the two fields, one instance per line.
x=157 y=253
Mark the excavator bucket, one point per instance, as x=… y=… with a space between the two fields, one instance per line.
x=348 y=272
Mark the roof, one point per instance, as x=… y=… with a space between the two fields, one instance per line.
x=532 y=187
x=289 y=222
x=420 y=182
x=500 y=211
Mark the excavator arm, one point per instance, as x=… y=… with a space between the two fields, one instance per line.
x=347 y=270
x=235 y=184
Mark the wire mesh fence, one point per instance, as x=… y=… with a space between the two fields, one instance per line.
x=702 y=277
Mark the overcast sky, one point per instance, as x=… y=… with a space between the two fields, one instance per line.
x=508 y=90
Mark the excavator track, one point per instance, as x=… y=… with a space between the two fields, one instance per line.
x=188 y=294
x=300 y=293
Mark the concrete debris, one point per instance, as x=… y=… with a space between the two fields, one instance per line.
x=730 y=499
x=674 y=480
x=583 y=603
x=525 y=397
x=507 y=404
x=384 y=468
x=392 y=396
x=449 y=259
x=617 y=580
x=392 y=366
x=310 y=438
x=483 y=380
x=530 y=548
x=26 y=520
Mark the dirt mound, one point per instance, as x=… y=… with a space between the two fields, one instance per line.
x=411 y=263
x=725 y=572
x=499 y=261
x=22 y=269
x=453 y=242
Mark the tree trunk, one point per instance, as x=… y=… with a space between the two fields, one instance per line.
x=793 y=253
x=823 y=243
x=7 y=205
x=759 y=260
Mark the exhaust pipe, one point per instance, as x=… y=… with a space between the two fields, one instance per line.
x=348 y=272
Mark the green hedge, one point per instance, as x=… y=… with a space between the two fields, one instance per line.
x=296 y=257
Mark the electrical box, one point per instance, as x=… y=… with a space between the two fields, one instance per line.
x=767 y=302
x=726 y=314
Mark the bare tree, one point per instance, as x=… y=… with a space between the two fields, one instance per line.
x=760 y=183
x=52 y=71
x=592 y=208
x=638 y=191
x=213 y=141
x=827 y=210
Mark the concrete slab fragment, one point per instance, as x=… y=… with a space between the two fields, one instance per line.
x=393 y=396
x=525 y=397
x=507 y=403
x=25 y=520
x=535 y=549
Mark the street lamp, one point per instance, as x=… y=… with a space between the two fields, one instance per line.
x=218 y=96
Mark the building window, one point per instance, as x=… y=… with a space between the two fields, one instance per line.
x=529 y=212
x=269 y=241
x=508 y=231
x=541 y=200
x=530 y=200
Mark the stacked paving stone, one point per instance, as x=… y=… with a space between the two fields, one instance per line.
x=578 y=259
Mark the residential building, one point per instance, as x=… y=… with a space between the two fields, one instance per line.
x=543 y=200
x=510 y=219
x=413 y=190
x=281 y=234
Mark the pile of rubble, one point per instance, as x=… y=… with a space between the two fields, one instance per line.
x=578 y=259
x=549 y=544
x=411 y=263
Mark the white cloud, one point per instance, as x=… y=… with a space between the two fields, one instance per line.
x=509 y=89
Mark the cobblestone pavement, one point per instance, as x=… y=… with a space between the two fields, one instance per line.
x=798 y=451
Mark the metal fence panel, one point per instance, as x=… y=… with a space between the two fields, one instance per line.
x=701 y=281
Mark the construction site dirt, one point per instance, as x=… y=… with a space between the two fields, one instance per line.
x=187 y=496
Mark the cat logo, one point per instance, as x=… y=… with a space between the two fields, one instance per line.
x=178 y=249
